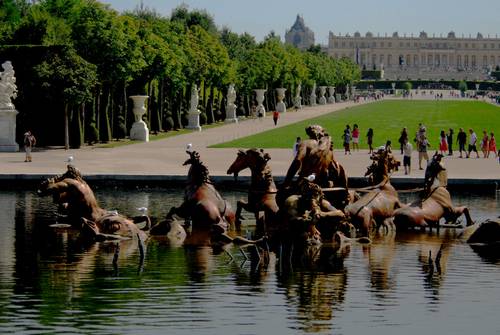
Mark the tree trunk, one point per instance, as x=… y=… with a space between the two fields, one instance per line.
x=66 y=126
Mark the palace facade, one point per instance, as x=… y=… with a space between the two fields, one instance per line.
x=410 y=57
x=420 y=57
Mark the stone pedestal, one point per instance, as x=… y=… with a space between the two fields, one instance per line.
x=194 y=120
x=280 y=105
x=139 y=130
x=322 y=91
x=331 y=91
x=259 y=97
x=8 y=129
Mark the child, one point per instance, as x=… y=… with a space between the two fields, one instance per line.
x=276 y=116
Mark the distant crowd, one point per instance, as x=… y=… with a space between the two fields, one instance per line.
x=468 y=144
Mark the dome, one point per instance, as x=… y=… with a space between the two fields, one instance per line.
x=423 y=34
x=451 y=34
x=357 y=34
x=369 y=34
x=395 y=34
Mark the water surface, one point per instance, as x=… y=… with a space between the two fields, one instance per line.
x=50 y=283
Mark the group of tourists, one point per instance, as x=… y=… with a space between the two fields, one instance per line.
x=353 y=136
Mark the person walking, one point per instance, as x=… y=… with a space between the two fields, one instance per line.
x=461 y=140
x=407 y=149
x=296 y=146
x=449 y=139
x=369 y=140
x=29 y=143
x=276 y=116
x=492 y=145
x=472 y=143
x=443 y=143
x=347 y=139
x=422 y=152
x=403 y=139
x=485 y=146
x=355 y=137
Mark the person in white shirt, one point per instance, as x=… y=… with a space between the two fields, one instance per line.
x=472 y=143
x=407 y=149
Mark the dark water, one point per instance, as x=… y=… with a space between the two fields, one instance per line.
x=49 y=283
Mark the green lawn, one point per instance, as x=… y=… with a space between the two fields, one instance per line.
x=387 y=118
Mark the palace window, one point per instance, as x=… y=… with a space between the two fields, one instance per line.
x=485 y=46
x=466 y=45
x=336 y=44
x=351 y=44
x=374 y=44
x=400 y=44
x=382 y=44
x=416 y=45
x=485 y=60
x=343 y=44
x=389 y=60
x=407 y=44
x=492 y=46
x=390 y=44
x=492 y=60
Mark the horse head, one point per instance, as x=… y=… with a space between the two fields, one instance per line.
x=435 y=173
x=315 y=132
x=252 y=158
x=198 y=172
x=383 y=164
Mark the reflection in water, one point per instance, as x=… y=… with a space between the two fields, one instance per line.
x=50 y=282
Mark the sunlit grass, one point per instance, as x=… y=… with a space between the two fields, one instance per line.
x=387 y=118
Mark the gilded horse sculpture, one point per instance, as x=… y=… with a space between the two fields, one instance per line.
x=262 y=192
x=435 y=202
x=74 y=195
x=203 y=204
x=380 y=201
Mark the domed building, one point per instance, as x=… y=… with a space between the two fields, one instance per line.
x=300 y=35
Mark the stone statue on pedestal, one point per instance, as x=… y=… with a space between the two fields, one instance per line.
x=313 y=95
x=8 y=91
x=231 y=107
x=194 y=113
x=8 y=88
x=297 y=101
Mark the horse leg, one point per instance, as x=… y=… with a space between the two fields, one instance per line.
x=240 y=205
x=458 y=211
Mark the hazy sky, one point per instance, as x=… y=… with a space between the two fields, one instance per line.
x=259 y=17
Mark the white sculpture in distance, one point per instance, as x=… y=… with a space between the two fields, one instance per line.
x=312 y=97
x=8 y=113
x=194 y=113
x=297 y=101
x=139 y=130
x=280 y=105
x=231 y=106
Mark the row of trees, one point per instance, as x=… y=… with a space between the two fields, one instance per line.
x=93 y=58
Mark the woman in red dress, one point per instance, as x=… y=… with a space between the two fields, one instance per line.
x=443 y=143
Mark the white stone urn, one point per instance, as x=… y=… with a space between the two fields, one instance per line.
x=259 y=97
x=280 y=105
x=331 y=91
x=312 y=97
x=231 y=106
x=194 y=113
x=322 y=98
x=8 y=113
x=139 y=130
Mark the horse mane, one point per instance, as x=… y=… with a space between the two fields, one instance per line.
x=383 y=164
x=198 y=172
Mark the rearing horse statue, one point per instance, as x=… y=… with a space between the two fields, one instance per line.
x=73 y=194
x=380 y=200
x=202 y=202
x=262 y=192
x=435 y=202
x=315 y=157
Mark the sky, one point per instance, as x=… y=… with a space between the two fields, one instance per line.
x=259 y=17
